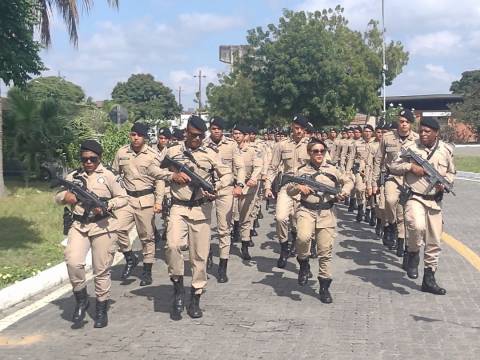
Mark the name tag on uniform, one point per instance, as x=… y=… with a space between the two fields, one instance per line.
x=124 y=158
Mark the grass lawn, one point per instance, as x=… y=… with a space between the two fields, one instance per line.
x=468 y=163
x=31 y=229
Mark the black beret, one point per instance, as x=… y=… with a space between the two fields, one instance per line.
x=394 y=125
x=197 y=123
x=218 y=121
x=252 y=130
x=315 y=141
x=351 y=128
x=177 y=134
x=368 y=126
x=345 y=129
x=324 y=131
x=91 y=145
x=430 y=122
x=309 y=127
x=140 y=128
x=407 y=114
x=300 y=120
x=165 y=132
x=333 y=129
x=244 y=129
x=358 y=127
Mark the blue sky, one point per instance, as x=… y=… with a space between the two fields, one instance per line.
x=173 y=39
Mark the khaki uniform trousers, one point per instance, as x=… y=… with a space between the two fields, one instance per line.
x=103 y=250
x=236 y=214
x=306 y=223
x=360 y=188
x=393 y=210
x=286 y=206
x=197 y=233
x=258 y=200
x=144 y=219
x=224 y=212
x=246 y=206
x=380 y=204
x=424 y=227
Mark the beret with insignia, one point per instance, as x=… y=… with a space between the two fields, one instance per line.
x=140 y=128
x=197 y=122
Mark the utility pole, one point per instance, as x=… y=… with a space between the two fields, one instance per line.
x=199 y=76
x=180 y=95
x=384 y=67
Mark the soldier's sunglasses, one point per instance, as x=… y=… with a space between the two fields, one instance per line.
x=197 y=135
x=92 y=159
x=318 y=151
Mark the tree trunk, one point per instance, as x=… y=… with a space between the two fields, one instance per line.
x=3 y=191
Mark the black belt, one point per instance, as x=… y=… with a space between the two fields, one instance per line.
x=320 y=206
x=140 y=193
x=90 y=220
x=188 y=203
x=426 y=197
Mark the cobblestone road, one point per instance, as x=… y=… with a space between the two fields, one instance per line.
x=262 y=313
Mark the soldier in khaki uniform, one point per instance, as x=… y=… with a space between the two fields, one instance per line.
x=391 y=144
x=228 y=152
x=252 y=156
x=95 y=231
x=287 y=156
x=145 y=195
x=423 y=211
x=191 y=212
x=370 y=215
x=315 y=215
x=163 y=139
x=357 y=164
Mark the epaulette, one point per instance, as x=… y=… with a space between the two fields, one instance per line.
x=212 y=146
x=172 y=144
x=449 y=146
x=109 y=168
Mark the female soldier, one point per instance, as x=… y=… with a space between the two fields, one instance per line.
x=95 y=230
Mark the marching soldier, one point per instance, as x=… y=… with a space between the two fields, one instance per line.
x=315 y=215
x=287 y=156
x=252 y=156
x=377 y=215
x=191 y=212
x=228 y=152
x=163 y=139
x=357 y=165
x=95 y=231
x=423 y=211
x=145 y=195
x=391 y=144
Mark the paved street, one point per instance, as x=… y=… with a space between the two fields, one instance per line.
x=262 y=313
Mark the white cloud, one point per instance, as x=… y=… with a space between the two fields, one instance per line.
x=437 y=43
x=206 y=22
x=438 y=72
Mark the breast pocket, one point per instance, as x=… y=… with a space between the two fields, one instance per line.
x=287 y=160
x=442 y=167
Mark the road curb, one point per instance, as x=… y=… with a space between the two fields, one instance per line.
x=45 y=280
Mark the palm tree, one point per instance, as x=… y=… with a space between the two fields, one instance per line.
x=70 y=14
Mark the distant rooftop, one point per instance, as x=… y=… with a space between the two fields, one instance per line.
x=435 y=102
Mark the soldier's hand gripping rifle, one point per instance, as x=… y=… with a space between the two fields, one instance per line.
x=196 y=181
x=87 y=199
x=318 y=188
x=433 y=176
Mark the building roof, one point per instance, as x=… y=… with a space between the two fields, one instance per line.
x=437 y=102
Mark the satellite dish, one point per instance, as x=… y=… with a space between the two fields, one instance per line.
x=118 y=115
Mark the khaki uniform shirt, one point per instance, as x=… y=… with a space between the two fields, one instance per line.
x=207 y=162
x=442 y=161
x=344 y=152
x=358 y=153
x=287 y=156
x=388 y=151
x=252 y=156
x=230 y=156
x=373 y=147
x=324 y=218
x=103 y=183
x=133 y=168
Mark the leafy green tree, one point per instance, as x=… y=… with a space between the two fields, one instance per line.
x=469 y=87
x=56 y=88
x=146 y=98
x=235 y=100
x=114 y=138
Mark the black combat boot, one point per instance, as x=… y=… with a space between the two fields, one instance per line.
x=400 y=247
x=256 y=224
x=385 y=236
x=303 y=272
x=222 y=271
x=360 y=213
x=325 y=296
x=210 y=260
x=245 y=255
x=81 y=298
x=405 y=258
x=146 y=278
x=267 y=204
x=236 y=232
x=178 y=294
x=392 y=240
x=251 y=243
x=158 y=238
x=164 y=235
x=282 y=260
x=253 y=232
x=429 y=284
x=378 y=227
x=260 y=215
x=412 y=264
x=347 y=201
x=373 y=218
x=194 y=308
x=313 y=249
x=131 y=260
x=367 y=216
x=352 y=205
x=292 y=250
x=101 y=317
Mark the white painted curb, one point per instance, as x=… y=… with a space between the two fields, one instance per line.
x=45 y=280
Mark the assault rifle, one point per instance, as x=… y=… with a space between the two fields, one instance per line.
x=87 y=199
x=195 y=180
x=433 y=176
x=318 y=188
